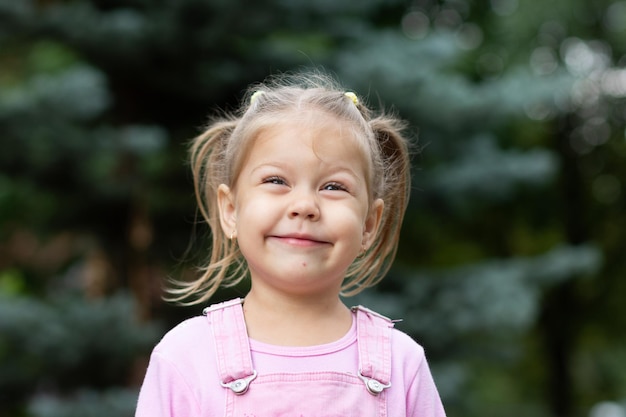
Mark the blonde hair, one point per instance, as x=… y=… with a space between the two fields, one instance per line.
x=217 y=154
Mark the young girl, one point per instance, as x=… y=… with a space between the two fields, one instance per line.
x=304 y=191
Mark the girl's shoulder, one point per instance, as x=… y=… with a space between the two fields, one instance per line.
x=190 y=333
x=404 y=347
x=405 y=341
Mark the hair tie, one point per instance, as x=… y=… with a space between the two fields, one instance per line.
x=255 y=96
x=352 y=97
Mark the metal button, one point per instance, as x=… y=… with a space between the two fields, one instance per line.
x=240 y=386
x=374 y=386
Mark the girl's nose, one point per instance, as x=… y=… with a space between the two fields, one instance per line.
x=305 y=206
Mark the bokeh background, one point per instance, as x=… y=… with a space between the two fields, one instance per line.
x=512 y=260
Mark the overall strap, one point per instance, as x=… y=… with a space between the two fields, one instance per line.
x=232 y=345
x=374 y=344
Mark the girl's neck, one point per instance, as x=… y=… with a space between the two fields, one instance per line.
x=295 y=321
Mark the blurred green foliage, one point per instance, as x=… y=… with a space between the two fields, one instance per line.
x=511 y=261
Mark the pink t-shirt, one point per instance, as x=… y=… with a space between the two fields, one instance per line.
x=182 y=378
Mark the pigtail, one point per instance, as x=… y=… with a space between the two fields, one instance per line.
x=209 y=170
x=394 y=189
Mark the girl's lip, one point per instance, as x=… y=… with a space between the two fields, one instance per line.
x=299 y=240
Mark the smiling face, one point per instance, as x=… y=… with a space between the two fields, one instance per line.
x=300 y=206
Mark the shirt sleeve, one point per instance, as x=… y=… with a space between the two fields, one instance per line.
x=413 y=392
x=423 y=399
x=165 y=393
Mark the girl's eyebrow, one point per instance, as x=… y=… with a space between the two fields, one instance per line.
x=333 y=170
x=346 y=170
x=266 y=165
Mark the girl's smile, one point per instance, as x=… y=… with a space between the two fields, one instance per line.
x=298 y=240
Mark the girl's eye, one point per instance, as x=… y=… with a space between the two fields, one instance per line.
x=274 y=180
x=334 y=186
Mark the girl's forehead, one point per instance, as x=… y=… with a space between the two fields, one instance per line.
x=310 y=121
x=322 y=133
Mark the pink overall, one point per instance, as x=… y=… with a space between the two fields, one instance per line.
x=311 y=394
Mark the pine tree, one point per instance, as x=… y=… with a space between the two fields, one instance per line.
x=512 y=249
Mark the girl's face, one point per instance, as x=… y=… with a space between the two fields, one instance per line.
x=300 y=208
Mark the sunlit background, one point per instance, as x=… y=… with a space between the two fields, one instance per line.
x=512 y=261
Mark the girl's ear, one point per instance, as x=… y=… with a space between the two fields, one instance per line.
x=372 y=222
x=226 y=206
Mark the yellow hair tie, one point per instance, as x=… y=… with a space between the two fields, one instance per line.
x=256 y=95
x=352 y=97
